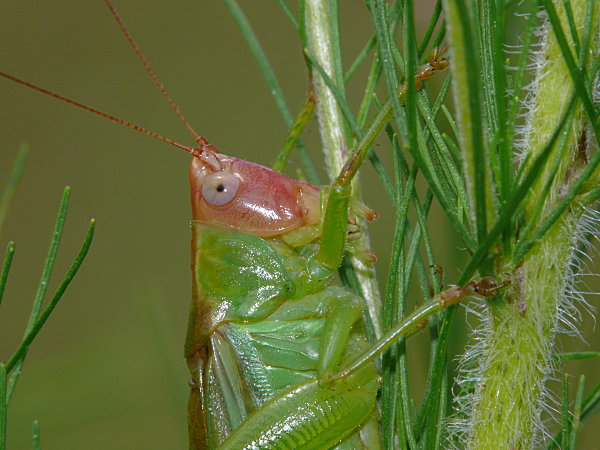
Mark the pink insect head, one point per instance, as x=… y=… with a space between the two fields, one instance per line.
x=233 y=193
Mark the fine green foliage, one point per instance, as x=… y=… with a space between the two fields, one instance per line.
x=510 y=216
x=11 y=187
x=36 y=439
x=513 y=164
x=11 y=370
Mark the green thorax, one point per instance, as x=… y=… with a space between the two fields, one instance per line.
x=268 y=301
x=247 y=277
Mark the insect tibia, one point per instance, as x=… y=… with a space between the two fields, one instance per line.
x=338 y=211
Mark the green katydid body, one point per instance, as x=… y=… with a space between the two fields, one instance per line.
x=249 y=361
x=266 y=323
x=277 y=353
x=267 y=328
x=272 y=343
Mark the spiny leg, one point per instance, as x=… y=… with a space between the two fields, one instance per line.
x=486 y=287
x=333 y=241
x=314 y=414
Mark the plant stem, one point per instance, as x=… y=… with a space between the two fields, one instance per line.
x=319 y=33
x=11 y=187
x=3 y=404
x=320 y=17
x=518 y=346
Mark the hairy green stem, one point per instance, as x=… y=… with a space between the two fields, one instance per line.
x=517 y=350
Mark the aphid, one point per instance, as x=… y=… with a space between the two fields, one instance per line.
x=276 y=352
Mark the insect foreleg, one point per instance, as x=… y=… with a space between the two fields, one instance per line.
x=336 y=213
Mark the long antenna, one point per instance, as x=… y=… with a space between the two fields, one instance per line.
x=191 y=150
x=198 y=138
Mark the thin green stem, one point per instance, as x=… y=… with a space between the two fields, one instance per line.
x=294 y=133
x=576 y=72
x=19 y=355
x=577 y=411
x=13 y=181
x=3 y=404
x=16 y=363
x=36 y=441
x=466 y=69
x=576 y=355
x=8 y=257
x=435 y=16
x=50 y=259
x=565 y=416
x=588 y=405
x=322 y=35
x=289 y=14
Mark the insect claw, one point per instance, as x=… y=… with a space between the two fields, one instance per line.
x=441 y=65
x=362 y=210
x=488 y=286
x=436 y=56
x=370 y=256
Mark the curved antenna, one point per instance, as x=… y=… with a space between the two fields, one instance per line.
x=193 y=151
x=197 y=137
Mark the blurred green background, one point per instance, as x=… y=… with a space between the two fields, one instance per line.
x=107 y=371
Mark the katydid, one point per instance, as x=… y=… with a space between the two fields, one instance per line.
x=277 y=352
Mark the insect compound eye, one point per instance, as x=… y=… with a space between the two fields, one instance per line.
x=220 y=188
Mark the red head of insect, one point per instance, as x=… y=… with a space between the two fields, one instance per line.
x=245 y=196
